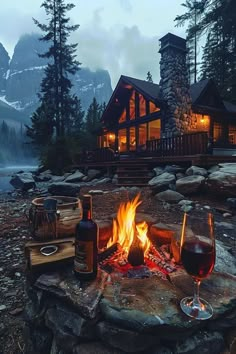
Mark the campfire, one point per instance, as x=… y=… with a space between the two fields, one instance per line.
x=129 y=250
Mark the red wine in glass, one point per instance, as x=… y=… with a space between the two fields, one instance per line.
x=198 y=258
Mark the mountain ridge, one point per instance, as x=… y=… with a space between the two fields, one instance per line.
x=20 y=79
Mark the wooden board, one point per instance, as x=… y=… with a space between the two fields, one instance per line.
x=35 y=259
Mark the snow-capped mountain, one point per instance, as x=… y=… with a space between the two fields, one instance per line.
x=21 y=76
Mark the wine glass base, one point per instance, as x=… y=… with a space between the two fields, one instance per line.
x=201 y=311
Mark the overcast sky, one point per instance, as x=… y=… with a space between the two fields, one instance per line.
x=120 y=36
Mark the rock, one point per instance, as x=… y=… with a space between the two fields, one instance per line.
x=213 y=169
x=92 y=173
x=190 y=184
x=43 y=176
x=68 y=327
x=95 y=192
x=82 y=296
x=186 y=208
x=173 y=169
x=198 y=171
x=16 y=311
x=23 y=181
x=2 y=307
x=64 y=189
x=227 y=215
x=228 y=167
x=203 y=342
x=222 y=182
x=158 y=171
x=225 y=262
x=57 y=178
x=102 y=181
x=169 y=196
x=74 y=177
x=225 y=225
x=185 y=202
x=161 y=182
x=180 y=175
x=117 y=337
x=95 y=348
x=231 y=202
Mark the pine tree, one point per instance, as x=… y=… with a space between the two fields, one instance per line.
x=77 y=124
x=56 y=84
x=217 y=19
x=193 y=16
x=93 y=123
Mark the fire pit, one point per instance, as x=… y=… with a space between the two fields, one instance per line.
x=129 y=251
x=132 y=306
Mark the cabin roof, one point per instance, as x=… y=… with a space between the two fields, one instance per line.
x=147 y=88
x=203 y=94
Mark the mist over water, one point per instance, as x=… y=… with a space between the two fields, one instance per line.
x=6 y=173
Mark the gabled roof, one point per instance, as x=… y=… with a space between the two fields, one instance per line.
x=147 y=88
x=122 y=93
x=203 y=94
x=197 y=89
x=230 y=107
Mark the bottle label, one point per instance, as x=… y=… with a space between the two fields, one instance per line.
x=83 y=257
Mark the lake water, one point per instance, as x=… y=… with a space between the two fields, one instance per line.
x=7 y=172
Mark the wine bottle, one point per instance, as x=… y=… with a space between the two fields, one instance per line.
x=86 y=238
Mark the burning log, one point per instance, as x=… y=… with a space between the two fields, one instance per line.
x=136 y=254
x=108 y=252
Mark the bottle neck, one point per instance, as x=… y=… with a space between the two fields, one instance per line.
x=87 y=214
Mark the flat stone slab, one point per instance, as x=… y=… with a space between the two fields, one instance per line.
x=151 y=305
x=84 y=296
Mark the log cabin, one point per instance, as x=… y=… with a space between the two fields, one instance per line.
x=170 y=118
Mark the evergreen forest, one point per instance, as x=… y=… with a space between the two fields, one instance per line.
x=211 y=39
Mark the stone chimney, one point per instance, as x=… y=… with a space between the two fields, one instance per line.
x=174 y=86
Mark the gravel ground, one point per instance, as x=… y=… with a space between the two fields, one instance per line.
x=14 y=232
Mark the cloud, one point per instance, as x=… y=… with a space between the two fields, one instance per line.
x=123 y=51
x=126 y=5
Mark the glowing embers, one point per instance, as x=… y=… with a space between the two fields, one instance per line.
x=129 y=250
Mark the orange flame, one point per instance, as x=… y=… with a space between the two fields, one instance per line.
x=125 y=230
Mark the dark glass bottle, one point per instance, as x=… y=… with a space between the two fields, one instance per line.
x=86 y=238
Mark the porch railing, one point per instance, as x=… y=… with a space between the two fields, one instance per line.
x=186 y=144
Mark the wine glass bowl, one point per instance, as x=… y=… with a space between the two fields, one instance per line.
x=197 y=249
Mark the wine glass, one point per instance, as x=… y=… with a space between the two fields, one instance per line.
x=197 y=247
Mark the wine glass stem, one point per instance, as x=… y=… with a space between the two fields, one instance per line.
x=196 y=301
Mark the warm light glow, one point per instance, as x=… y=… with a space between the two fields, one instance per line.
x=125 y=231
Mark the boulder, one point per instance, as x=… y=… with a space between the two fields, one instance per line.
x=43 y=176
x=169 y=196
x=92 y=173
x=198 y=171
x=190 y=184
x=102 y=181
x=223 y=182
x=174 y=169
x=23 y=181
x=74 y=177
x=213 y=169
x=64 y=189
x=161 y=182
x=231 y=202
x=158 y=171
x=225 y=261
